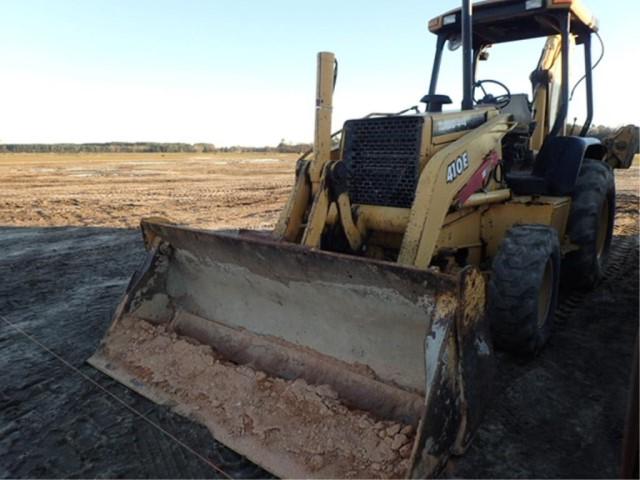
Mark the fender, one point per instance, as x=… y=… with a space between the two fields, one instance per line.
x=557 y=166
x=560 y=159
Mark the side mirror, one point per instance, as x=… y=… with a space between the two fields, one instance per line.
x=454 y=43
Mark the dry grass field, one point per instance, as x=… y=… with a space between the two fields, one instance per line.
x=69 y=242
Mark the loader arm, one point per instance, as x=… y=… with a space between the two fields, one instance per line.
x=439 y=184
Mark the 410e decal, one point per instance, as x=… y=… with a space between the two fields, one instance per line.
x=455 y=168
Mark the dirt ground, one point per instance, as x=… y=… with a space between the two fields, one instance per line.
x=116 y=190
x=69 y=242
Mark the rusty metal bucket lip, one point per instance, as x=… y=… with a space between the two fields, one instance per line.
x=169 y=231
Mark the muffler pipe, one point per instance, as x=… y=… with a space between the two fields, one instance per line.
x=467 y=55
x=324 y=107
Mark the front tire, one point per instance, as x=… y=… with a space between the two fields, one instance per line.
x=523 y=290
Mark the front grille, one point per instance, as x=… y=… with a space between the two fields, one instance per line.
x=382 y=157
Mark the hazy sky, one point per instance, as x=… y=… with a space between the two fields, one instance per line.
x=243 y=72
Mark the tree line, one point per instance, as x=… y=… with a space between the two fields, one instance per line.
x=144 y=147
x=598 y=131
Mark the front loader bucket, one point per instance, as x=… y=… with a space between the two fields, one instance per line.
x=310 y=364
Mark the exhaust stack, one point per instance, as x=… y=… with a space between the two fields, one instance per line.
x=324 y=106
x=467 y=55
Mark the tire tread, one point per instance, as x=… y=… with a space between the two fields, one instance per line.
x=517 y=273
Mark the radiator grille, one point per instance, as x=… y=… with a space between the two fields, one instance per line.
x=382 y=158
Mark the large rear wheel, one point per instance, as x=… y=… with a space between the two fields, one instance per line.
x=590 y=225
x=523 y=290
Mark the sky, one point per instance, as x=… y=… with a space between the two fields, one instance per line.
x=242 y=72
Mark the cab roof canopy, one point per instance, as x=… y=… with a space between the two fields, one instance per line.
x=496 y=21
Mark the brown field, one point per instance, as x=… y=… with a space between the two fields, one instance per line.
x=116 y=190
x=69 y=242
x=205 y=190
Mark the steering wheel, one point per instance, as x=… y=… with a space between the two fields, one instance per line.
x=500 y=101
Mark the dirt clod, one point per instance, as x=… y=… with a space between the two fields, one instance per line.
x=392 y=430
x=398 y=441
x=316 y=462
x=407 y=430
x=405 y=450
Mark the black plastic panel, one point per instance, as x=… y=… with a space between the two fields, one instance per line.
x=382 y=157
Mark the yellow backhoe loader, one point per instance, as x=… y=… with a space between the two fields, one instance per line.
x=355 y=339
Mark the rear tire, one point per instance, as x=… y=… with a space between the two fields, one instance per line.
x=523 y=290
x=590 y=225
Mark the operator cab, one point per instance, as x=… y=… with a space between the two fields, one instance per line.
x=537 y=142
